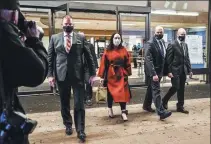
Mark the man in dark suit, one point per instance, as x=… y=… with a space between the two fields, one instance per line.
x=178 y=67
x=88 y=87
x=154 y=65
x=68 y=49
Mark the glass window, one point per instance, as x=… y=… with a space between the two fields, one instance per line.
x=195 y=24
x=133 y=33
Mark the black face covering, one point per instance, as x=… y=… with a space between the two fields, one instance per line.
x=160 y=36
x=68 y=29
x=181 y=38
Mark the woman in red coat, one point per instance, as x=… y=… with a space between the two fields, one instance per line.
x=115 y=67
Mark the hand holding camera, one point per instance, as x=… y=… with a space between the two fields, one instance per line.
x=32 y=30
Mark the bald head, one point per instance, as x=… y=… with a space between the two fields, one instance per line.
x=181 y=33
x=159 y=32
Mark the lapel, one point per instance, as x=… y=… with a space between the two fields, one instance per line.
x=164 y=44
x=185 y=48
x=180 y=48
x=74 y=39
x=61 y=40
x=156 y=45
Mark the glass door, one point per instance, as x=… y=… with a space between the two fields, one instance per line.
x=133 y=30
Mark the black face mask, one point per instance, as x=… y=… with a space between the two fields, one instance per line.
x=68 y=29
x=160 y=36
x=181 y=38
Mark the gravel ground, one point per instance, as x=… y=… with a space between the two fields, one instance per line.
x=142 y=127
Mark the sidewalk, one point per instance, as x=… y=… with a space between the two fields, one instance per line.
x=142 y=127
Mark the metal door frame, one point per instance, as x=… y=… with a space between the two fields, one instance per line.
x=89 y=8
x=147 y=30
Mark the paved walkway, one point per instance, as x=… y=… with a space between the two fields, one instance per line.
x=142 y=127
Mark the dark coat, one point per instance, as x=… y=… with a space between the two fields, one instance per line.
x=178 y=60
x=154 y=61
x=73 y=62
x=87 y=75
x=24 y=64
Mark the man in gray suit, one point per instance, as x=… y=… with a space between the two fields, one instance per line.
x=65 y=57
x=155 y=54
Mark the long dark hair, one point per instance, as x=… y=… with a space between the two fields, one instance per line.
x=111 y=44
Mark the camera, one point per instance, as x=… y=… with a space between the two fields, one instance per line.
x=13 y=121
x=23 y=25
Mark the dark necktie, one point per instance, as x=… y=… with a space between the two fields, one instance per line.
x=161 y=48
x=183 y=48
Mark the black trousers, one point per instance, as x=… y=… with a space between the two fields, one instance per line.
x=79 y=108
x=17 y=136
x=153 y=93
x=88 y=87
x=89 y=91
x=178 y=85
x=110 y=102
x=135 y=62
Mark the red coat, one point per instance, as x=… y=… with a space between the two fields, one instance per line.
x=118 y=70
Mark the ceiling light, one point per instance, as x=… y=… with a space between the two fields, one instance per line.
x=166 y=25
x=128 y=24
x=185 y=6
x=81 y=22
x=188 y=13
x=167 y=3
x=174 y=5
x=173 y=12
x=198 y=27
x=132 y=14
x=164 y=12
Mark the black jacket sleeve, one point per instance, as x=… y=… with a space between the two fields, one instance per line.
x=24 y=64
x=188 y=61
x=169 y=57
x=89 y=58
x=149 y=66
x=92 y=49
x=51 y=57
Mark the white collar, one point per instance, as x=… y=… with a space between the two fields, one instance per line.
x=65 y=34
x=159 y=40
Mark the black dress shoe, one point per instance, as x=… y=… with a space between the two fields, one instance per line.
x=69 y=131
x=165 y=115
x=182 y=110
x=89 y=102
x=82 y=136
x=149 y=109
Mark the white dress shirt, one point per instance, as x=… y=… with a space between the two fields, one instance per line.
x=65 y=37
